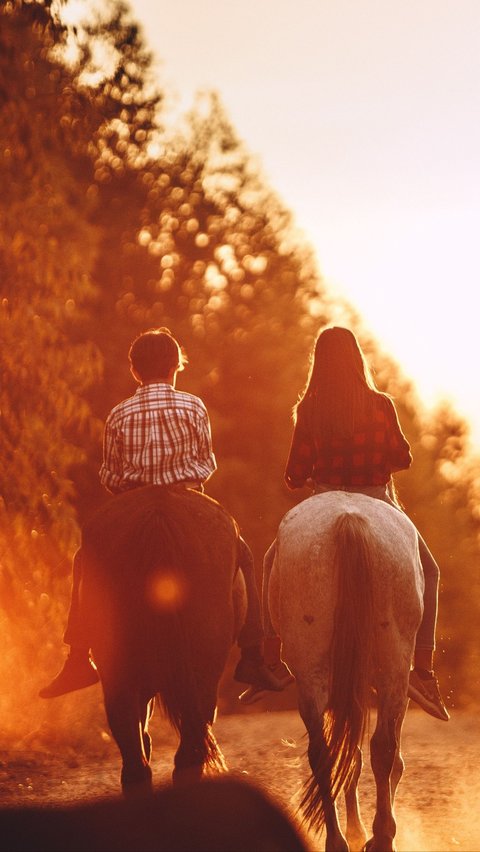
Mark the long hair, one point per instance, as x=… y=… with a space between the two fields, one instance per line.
x=340 y=390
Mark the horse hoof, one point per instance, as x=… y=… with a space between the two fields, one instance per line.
x=189 y=775
x=137 y=782
x=371 y=847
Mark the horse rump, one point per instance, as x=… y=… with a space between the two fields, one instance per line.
x=158 y=562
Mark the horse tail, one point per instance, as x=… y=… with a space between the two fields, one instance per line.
x=180 y=699
x=180 y=694
x=346 y=715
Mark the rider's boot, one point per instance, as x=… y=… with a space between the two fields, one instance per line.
x=78 y=671
x=273 y=659
x=275 y=665
x=423 y=688
x=253 y=670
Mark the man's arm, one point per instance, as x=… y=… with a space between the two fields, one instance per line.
x=111 y=470
x=206 y=457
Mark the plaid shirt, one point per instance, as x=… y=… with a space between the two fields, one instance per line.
x=369 y=457
x=159 y=436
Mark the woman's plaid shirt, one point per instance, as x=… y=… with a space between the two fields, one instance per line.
x=369 y=457
x=159 y=436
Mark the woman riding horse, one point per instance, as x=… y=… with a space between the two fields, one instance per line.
x=347 y=437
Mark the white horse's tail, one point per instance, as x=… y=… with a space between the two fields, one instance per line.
x=346 y=714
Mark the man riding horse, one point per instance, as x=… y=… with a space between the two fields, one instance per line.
x=161 y=436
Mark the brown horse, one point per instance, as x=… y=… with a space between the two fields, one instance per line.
x=345 y=595
x=161 y=598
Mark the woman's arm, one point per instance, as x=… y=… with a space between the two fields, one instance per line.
x=300 y=459
x=400 y=455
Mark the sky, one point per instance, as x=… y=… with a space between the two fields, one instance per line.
x=365 y=118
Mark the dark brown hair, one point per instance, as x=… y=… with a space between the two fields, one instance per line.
x=340 y=389
x=154 y=353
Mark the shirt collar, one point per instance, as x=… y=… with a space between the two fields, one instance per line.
x=144 y=388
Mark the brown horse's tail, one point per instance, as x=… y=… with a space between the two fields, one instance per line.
x=152 y=566
x=184 y=704
x=185 y=690
x=183 y=699
x=345 y=718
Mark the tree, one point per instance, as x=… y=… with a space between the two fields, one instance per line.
x=440 y=494
x=205 y=247
x=47 y=251
x=110 y=225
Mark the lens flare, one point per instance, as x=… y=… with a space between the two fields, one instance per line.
x=165 y=589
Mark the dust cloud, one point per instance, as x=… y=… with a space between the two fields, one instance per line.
x=436 y=804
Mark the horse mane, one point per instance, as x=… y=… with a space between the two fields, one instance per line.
x=347 y=712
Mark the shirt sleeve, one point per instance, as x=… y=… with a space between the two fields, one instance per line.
x=111 y=469
x=206 y=458
x=400 y=456
x=300 y=459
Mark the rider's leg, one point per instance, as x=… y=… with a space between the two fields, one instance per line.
x=425 y=643
x=267 y=570
x=251 y=668
x=423 y=685
x=78 y=670
x=272 y=642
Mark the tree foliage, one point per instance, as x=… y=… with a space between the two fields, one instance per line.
x=110 y=225
x=47 y=249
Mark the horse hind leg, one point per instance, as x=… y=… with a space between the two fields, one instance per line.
x=398 y=763
x=387 y=766
x=191 y=755
x=147 y=705
x=318 y=805
x=198 y=749
x=127 y=726
x=356 y=833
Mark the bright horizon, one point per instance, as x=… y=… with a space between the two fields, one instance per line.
x=363 y=118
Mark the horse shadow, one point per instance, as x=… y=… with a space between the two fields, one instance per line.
x=220 y=814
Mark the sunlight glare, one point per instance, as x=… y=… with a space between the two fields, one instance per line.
x=408 y=280
x=166 y=590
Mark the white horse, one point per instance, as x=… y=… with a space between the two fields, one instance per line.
x=345 y=594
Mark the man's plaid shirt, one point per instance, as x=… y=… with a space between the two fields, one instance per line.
x=159 y=436
x=369 y=457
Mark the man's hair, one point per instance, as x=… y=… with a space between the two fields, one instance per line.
x=154 y=353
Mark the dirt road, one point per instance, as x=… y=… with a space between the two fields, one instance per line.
x=437 y=803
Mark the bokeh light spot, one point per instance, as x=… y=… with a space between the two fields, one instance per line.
x=166 y=590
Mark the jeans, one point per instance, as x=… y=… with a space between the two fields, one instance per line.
x=74 y=632
x=252 y=632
